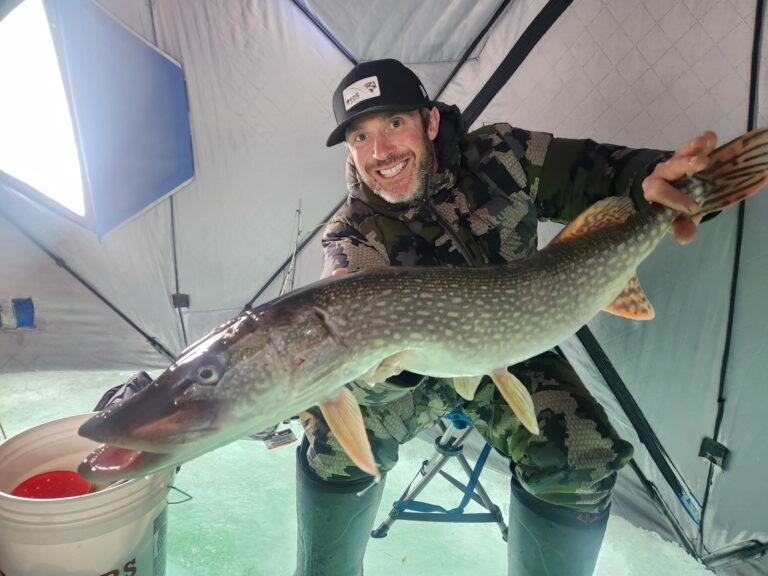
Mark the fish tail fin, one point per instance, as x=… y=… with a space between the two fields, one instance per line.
x=735 y=172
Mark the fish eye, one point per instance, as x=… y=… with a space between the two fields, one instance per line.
x=207 y=374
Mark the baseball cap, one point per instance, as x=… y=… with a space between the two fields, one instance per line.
x=375 y=86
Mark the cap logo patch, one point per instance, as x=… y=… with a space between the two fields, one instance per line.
x=361 y=91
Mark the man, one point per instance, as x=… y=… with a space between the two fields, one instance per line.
x=423 y=192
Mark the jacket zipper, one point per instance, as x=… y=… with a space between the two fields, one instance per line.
x=457 y=241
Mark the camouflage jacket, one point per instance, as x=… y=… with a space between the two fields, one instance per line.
x=483 y=205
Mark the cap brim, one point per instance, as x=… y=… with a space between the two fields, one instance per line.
x=337 y=136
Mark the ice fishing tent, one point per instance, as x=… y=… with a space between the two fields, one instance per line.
x=257 y=80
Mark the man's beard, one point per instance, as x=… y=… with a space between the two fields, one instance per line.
x=420 y=178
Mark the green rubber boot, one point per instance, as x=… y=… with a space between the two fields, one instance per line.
x=549 y=540
x=334 y=522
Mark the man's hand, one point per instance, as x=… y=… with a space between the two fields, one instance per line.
x=690 y=158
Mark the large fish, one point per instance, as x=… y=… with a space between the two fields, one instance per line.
x=300 y=349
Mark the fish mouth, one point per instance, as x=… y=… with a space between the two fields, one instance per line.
x=136 y=453
x=164 y=432
x=110 y=463
x=146 y=434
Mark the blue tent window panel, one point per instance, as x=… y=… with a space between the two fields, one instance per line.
x=24 y=311
x=130 y=110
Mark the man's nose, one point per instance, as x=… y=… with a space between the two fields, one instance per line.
x=382 y=147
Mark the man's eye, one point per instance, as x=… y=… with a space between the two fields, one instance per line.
x=396 y=123
x=357 y=138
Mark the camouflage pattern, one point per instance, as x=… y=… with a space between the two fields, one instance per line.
x=483 y=206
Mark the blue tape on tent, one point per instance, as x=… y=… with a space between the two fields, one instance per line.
x=130 y=111
x=24 y=311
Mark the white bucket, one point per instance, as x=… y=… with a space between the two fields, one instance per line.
x=118 y=531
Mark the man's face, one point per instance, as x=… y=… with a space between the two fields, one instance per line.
x=393 y=153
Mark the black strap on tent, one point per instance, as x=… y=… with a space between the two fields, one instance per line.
x=300 y=4
x=519 y=52
x=472 y=46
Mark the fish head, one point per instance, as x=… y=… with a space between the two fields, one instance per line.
x=208 y=397
x=243 y=377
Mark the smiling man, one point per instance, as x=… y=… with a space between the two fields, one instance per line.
x=394 y=153
x=423 y=191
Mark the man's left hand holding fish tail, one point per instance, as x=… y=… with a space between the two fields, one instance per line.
x=691 y=157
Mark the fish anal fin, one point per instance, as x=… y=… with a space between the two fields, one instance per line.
x=466 y=386
x=603 y=214
x=518 y=398
x=632 y=303
x=346 y=422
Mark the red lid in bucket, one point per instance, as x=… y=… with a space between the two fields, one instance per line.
x=57 y=484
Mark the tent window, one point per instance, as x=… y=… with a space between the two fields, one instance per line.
x=37 y=128
x=128 y=108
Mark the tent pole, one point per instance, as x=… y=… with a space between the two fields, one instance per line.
x=636 y=417
x=751 y=124
x=176 y=269
x=324 y=30
x=661 y=504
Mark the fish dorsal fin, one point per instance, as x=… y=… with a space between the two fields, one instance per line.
x=632 y=302
x=346 y=422
x=466 y=386
x=518 y=398
x=603 y=214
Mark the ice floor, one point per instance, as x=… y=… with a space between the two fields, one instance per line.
x=240 y=520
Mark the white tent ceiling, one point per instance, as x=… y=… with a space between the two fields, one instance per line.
x=259 y=77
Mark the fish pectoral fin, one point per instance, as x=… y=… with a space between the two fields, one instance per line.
x=466 y=386
x=632 y=303
x=346 y=422
x=330 y=325
x=518 y=398
x=603 y=214
x=383 y=369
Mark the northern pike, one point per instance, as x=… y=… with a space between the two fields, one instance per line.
x=299 y=350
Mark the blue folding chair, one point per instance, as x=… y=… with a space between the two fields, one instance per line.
x=447 y=446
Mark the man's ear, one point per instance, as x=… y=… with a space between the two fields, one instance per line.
x=434 y=123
